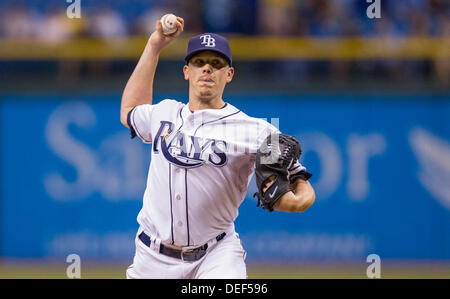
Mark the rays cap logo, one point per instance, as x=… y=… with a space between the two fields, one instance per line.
x=209 y=42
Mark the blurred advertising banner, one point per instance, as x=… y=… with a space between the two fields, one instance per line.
x=73 y=180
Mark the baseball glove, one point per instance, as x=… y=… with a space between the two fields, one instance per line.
x=273 y=159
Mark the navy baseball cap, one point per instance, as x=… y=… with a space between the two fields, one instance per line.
x=209 y=42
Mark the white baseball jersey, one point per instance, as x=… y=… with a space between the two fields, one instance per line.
x=201 y=165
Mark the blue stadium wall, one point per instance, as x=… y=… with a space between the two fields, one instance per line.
x=72 y=180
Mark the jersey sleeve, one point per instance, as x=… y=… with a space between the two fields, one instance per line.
x=265 y=129
x=298 y=171
x=139 y=121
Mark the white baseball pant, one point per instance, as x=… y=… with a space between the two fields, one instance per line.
x=223 y=260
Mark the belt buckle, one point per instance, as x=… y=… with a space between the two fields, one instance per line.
x=197 y=253
x=182 y=253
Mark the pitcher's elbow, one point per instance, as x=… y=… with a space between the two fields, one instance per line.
x=123 y=121
x=124 y=116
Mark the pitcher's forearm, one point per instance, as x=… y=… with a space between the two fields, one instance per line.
x=139 y=88
x=299 y=200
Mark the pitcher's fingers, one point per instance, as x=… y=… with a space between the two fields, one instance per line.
x=158 y=26
x=180 y=24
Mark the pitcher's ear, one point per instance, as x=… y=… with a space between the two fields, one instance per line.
x=185 y=72
x=230 y=74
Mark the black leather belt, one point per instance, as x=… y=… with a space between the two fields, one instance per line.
x=190 y=255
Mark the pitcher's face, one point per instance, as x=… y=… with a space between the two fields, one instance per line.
x=208 y=73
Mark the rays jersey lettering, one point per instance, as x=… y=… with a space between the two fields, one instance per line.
x=188 y=151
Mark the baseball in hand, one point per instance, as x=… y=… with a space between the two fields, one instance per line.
x=169 y=24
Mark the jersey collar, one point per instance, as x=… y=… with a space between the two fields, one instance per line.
x=207 y=115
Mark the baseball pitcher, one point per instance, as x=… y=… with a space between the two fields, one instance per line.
x=204 y=154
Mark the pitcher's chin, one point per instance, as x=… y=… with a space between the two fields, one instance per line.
x=206 y=95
